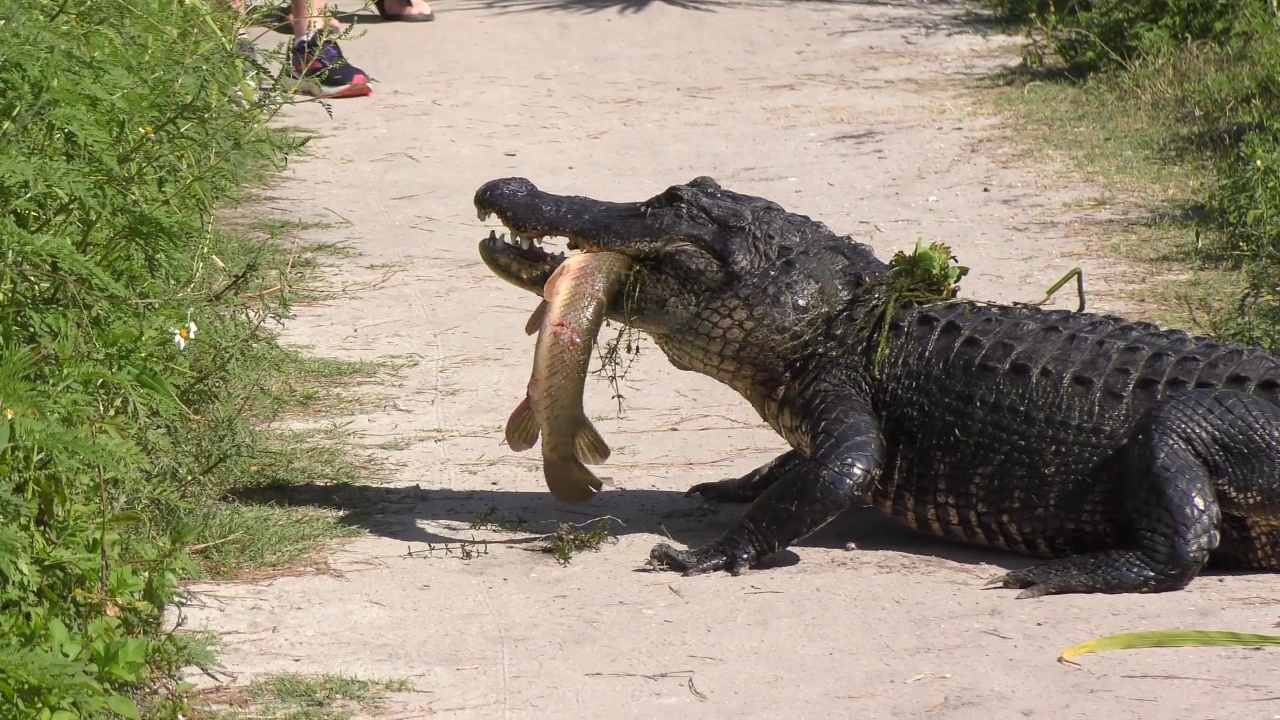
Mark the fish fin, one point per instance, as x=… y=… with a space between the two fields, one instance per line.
x=535 y=320
x=569 y=480
x=588 y=446
x=522 y=426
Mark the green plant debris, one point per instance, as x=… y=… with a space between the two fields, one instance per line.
x=928 y=274
x=293 y=696
x=1168 y=638
x=1074 y=274
x=460 y=549
x=619 y=353
x=569 y=539
x=494 y=519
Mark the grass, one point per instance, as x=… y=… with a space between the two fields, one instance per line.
x=293 y=696
x=1150 y=200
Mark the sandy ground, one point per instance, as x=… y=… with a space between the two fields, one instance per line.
x=846 y=111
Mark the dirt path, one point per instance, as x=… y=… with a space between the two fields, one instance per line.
x=844 y=111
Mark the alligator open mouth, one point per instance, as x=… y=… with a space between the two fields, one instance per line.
x=527 y=249
x=531 y=218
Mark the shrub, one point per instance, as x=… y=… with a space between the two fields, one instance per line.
x=120 y=134
x=1092 y=34
x=1207 y=75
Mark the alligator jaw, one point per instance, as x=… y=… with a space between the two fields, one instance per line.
x=531 y=216
x=640 y=230
x=521 y=263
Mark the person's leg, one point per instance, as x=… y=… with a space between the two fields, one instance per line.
x=407 y=10
x=306 y=18
x=280 y=18
x=317 y=61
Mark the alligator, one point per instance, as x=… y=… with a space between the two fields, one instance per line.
x=1125 y=456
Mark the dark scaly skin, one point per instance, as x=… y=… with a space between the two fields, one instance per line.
x=1128 y=456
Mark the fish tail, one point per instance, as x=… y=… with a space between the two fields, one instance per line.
x=569 y=480
x=522 y=426
x=588 y=446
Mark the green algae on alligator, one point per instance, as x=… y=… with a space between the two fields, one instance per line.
x=1127 y=456
x=568 y=320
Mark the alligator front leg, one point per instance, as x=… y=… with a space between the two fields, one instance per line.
x=747 y=488
x=844 y=450
x=1192 y=458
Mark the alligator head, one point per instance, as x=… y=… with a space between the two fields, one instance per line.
x=730 y=285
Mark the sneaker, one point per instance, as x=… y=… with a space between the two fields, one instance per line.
x=321 y=70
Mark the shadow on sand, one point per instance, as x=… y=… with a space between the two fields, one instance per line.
x=399 y=513
x=960 y=18
x=631 y=7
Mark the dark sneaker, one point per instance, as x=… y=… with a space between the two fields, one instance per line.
x=321 y=70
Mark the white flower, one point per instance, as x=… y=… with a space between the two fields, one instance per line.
x=9 y=413
x=183 y=335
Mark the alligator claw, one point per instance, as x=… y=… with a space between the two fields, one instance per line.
x=706 y=559
x=720 y=491
x=1036 y=581
x=1025 y=581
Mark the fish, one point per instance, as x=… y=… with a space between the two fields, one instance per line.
x=567 y=322
x=534 y=323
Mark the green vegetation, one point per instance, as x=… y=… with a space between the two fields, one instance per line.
x=137 y=372
x=291 y=696
x=1177 y=103
x=926 y=274
x=1168 y=638
x=567 y=540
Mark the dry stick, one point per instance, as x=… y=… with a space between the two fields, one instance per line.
x=202 y=546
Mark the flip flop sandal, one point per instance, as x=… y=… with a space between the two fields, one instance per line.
x=381 y=6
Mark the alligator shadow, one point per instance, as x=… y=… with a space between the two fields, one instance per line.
x=402 y=513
